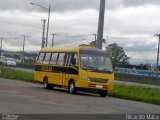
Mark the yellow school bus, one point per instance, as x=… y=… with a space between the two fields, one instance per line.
x=76 y=68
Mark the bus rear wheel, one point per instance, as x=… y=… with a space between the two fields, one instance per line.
x=71 y=87
x=103 y=93
x=46 y=85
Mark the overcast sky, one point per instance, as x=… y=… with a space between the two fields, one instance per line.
x=129 y=23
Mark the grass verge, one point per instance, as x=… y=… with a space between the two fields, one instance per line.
x=16 y=74
x=137 y=93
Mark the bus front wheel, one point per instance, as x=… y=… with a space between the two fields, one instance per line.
x=46 y=85
x=71 y=87
x=103 y=93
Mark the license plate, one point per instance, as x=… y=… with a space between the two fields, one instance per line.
x=99 y=86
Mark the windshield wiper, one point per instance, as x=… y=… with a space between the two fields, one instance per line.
x=96 y=69
x=107 y=70
x=90 y=68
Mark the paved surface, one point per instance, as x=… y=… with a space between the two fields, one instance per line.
x=24 y=97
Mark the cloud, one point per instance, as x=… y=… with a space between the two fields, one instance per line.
x=130 y=23
x=56 y=5
x=69 y=5
x=140 y=2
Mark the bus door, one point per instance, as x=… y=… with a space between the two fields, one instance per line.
x=71 y=68
x=66 y=69
x=59 y=68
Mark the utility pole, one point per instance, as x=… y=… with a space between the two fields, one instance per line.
x=157 y=54
x=100 y=25
x=43 y=29
x=49 y=9
x=1 y=45
x=53 y=39
x=24 y=36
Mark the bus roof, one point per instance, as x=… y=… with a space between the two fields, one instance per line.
x=65 y=49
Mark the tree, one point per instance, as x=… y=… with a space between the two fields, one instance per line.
x=117 y=54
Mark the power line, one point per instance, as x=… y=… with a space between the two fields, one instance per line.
x=85 y=40
x=77 y=35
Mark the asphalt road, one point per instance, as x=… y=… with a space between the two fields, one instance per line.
x=30 y=98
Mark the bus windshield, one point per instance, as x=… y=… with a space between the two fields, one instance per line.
x=95 y=61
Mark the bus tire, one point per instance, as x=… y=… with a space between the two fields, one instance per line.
x=103 y=93
x=46 y=85
x=71 y=87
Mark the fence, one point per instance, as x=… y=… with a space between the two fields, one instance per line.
x=136 y=72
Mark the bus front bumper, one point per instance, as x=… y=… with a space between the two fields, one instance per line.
x=109 y=86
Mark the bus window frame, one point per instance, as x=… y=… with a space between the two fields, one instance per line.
x=67 y=56
x=41 y=61
x=66 y=60
x=56 y=58
x=71 y=56
x=49 y=58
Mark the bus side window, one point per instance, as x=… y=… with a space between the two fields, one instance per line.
x=60 y=60
x=47 y=58
x=66 y=59
x=54 y=58
x=40 y=58
x=74 y=60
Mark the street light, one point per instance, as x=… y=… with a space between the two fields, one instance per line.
x=48 y=19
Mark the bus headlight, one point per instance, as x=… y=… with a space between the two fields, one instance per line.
x=84 y=77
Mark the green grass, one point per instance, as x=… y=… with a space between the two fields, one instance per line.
x=137 y=93
x=16 y=74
